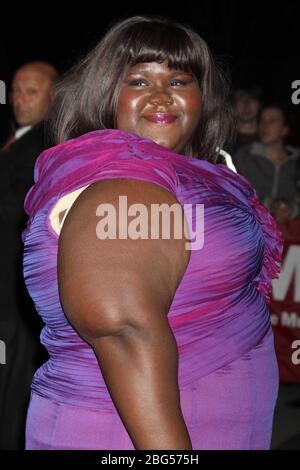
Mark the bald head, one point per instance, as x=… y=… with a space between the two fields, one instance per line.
x=43 y=68
x=31 y=89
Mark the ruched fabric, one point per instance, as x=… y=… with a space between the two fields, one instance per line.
x=219 y=314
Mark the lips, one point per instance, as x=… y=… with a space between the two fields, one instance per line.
x=161 y=118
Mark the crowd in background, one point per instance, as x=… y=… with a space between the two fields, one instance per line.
x=263 y=154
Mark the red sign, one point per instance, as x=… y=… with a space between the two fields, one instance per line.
x=285 y=305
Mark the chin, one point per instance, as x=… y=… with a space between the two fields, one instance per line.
x=24 y=122
x=163 y=143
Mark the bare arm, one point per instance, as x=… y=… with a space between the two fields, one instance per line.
x=117 y=293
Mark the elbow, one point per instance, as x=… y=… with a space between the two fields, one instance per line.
x=94 y=323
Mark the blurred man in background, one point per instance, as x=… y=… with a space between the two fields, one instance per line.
x=30 y=94
x=19 y=325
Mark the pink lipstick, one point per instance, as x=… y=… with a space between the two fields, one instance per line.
x=161 y=118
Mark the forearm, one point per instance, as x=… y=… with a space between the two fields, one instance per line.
x=140 y=368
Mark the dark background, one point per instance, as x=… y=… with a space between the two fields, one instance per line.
x=257 y=42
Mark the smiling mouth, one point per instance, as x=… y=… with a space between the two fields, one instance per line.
x=161 y=118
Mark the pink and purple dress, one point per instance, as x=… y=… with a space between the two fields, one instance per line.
x=228 y=373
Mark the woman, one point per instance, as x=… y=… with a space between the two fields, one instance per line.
x=152 y=345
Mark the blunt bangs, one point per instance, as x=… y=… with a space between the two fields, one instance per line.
x=149 y=42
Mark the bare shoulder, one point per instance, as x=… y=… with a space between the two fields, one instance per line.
x=118 y=254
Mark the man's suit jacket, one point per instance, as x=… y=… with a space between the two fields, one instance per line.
x=19 y=323
x=16 y=174
x=16 y=177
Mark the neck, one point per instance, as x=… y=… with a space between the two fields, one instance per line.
x=276 y=152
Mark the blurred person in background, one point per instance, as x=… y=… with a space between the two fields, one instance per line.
x=19 y=324
x=246 y=103
x=270 y=164
x=29 y=97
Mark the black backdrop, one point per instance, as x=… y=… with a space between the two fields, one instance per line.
x=258 y=42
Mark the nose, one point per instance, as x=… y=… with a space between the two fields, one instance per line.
x=21 y=98
x=161 y=96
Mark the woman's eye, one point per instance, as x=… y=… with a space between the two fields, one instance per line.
x=138 y=83
x=178 y=82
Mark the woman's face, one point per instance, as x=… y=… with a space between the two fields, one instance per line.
x=160 y=104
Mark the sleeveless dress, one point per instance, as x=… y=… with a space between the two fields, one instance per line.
x=228 y=373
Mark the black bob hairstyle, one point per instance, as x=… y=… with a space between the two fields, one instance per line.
x=86 y=98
